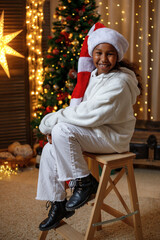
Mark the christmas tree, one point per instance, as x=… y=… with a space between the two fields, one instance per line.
x=73 y=21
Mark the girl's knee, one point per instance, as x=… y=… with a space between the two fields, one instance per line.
x=61 y=130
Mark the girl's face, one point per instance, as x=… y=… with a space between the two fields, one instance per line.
x=104 y=57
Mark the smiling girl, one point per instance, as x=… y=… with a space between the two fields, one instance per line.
x=102 y=122
x=104 y=58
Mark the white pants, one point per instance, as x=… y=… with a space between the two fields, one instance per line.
x=63 y=159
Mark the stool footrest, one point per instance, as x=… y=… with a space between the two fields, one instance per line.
x=114 y=219
x=117 y=214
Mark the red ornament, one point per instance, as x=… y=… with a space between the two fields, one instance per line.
x=83 y=8
x=72 y=73
x=85 y=31
x=42 y=143
x=49 y=37
x=76 y=18
x=50 y=56
x=63 y=36
x=90 y=22
x=62 y=96
x=49 y=109
x=68 y=18
x=55 y=51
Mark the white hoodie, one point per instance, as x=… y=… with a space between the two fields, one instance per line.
x=107 y=107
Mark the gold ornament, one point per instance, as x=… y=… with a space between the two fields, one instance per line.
x=65 y=105
x=4 y=49
x=49 y=49
x=69 y=85
x=53 y=30
x=75 y=42
x=70 y=35
x=55 y=86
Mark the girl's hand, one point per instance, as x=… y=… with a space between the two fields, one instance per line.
x=49 y=138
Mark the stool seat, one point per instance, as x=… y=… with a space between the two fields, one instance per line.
x=131 y=217
x=105 y=158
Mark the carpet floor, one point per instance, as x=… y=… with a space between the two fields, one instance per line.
x=20 y=213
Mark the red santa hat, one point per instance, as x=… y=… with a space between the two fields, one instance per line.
x=97 y=34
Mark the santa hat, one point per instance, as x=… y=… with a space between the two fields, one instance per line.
x=97 y=34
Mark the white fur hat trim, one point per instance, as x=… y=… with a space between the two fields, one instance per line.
x=107 y=35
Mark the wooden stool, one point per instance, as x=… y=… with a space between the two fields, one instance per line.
x=108 y=162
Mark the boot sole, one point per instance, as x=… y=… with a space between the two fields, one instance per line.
x=57 y=223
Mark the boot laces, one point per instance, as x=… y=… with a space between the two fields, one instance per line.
x=48 y=204
x=52 y=210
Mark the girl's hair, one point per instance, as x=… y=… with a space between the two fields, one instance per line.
x=132 y=66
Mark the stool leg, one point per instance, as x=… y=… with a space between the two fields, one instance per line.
x=43 y=235
x=98 y=202
x=134 y=201
x=94 y=168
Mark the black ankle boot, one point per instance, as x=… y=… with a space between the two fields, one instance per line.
x=56 y=213
x=84 y=188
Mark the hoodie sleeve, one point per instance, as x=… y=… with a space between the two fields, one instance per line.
x=108 y=106
x=48 y=122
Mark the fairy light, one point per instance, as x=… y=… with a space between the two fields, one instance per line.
x=34 y=18
x=8 y=170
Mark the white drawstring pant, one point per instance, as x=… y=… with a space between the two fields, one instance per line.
x=63 y=159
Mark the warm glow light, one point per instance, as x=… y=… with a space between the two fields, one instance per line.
x=4 y=49
x=34 y=18
x=138 y=45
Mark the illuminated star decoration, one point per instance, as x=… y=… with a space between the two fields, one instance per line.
x=4 y=49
